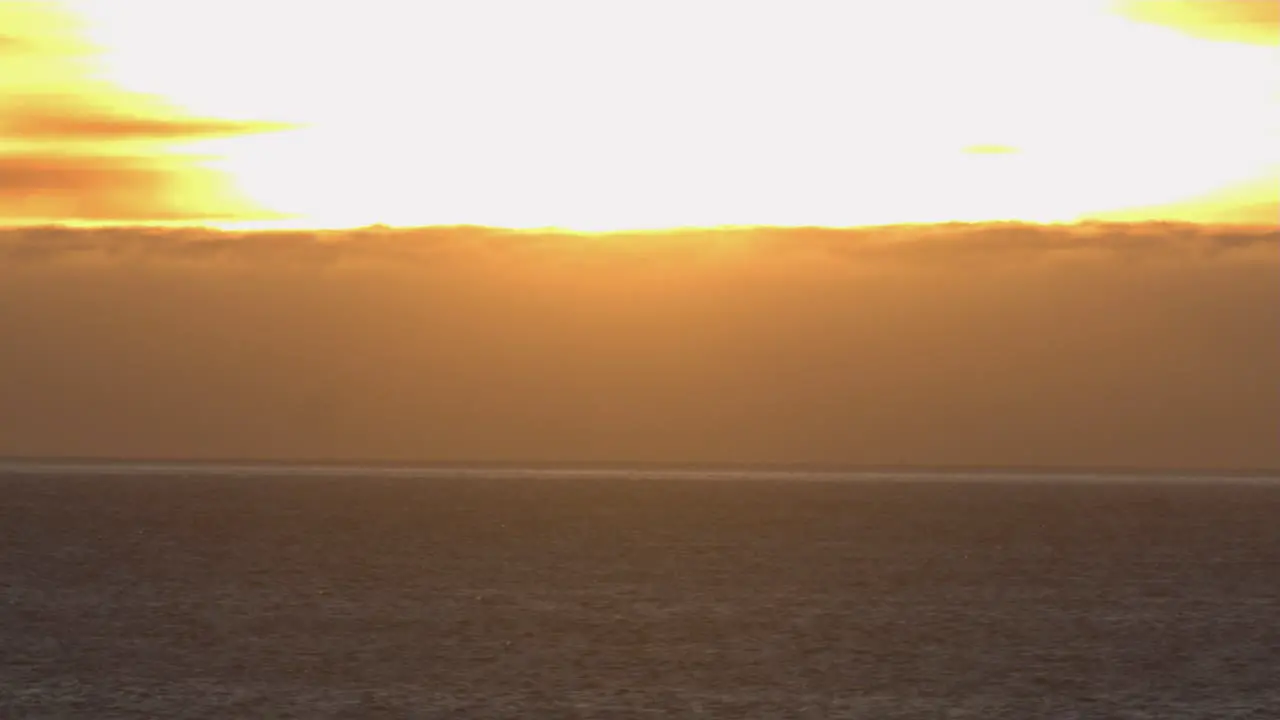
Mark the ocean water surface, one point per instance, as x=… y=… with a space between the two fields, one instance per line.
x=238 y=591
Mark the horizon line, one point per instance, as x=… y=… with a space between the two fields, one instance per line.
x=216 y=226
x=639 y=466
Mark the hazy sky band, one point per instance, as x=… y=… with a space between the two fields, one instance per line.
x=1097 y=345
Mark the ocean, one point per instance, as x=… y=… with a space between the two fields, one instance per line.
x=133 y=590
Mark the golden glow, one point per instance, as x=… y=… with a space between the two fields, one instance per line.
x=1250 y=21
x=597 y=116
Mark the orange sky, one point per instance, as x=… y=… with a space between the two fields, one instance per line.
x=639 y=115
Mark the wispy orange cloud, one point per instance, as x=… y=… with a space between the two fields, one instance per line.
x=92 y=119
x=103 y=188
x=73 y=148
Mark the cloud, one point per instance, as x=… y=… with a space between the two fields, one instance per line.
x=1004 y=344
x=77 y=148
x=114 y=188
x=902 y=247
x=1252 y=21
x=991 y=150
x=81 y=119
x=13 y=45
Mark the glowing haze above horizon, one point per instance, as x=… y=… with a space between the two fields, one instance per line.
x=615 y=116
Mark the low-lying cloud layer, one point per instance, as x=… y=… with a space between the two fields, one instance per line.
x=1106 y=344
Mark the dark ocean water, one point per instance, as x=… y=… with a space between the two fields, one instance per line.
x=172 y=592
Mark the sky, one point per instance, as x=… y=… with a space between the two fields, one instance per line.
x=987 y=233
x=627 y=115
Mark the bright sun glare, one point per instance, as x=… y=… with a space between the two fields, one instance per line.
x=599 y=116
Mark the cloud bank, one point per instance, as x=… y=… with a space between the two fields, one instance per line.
x=1004 y=344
